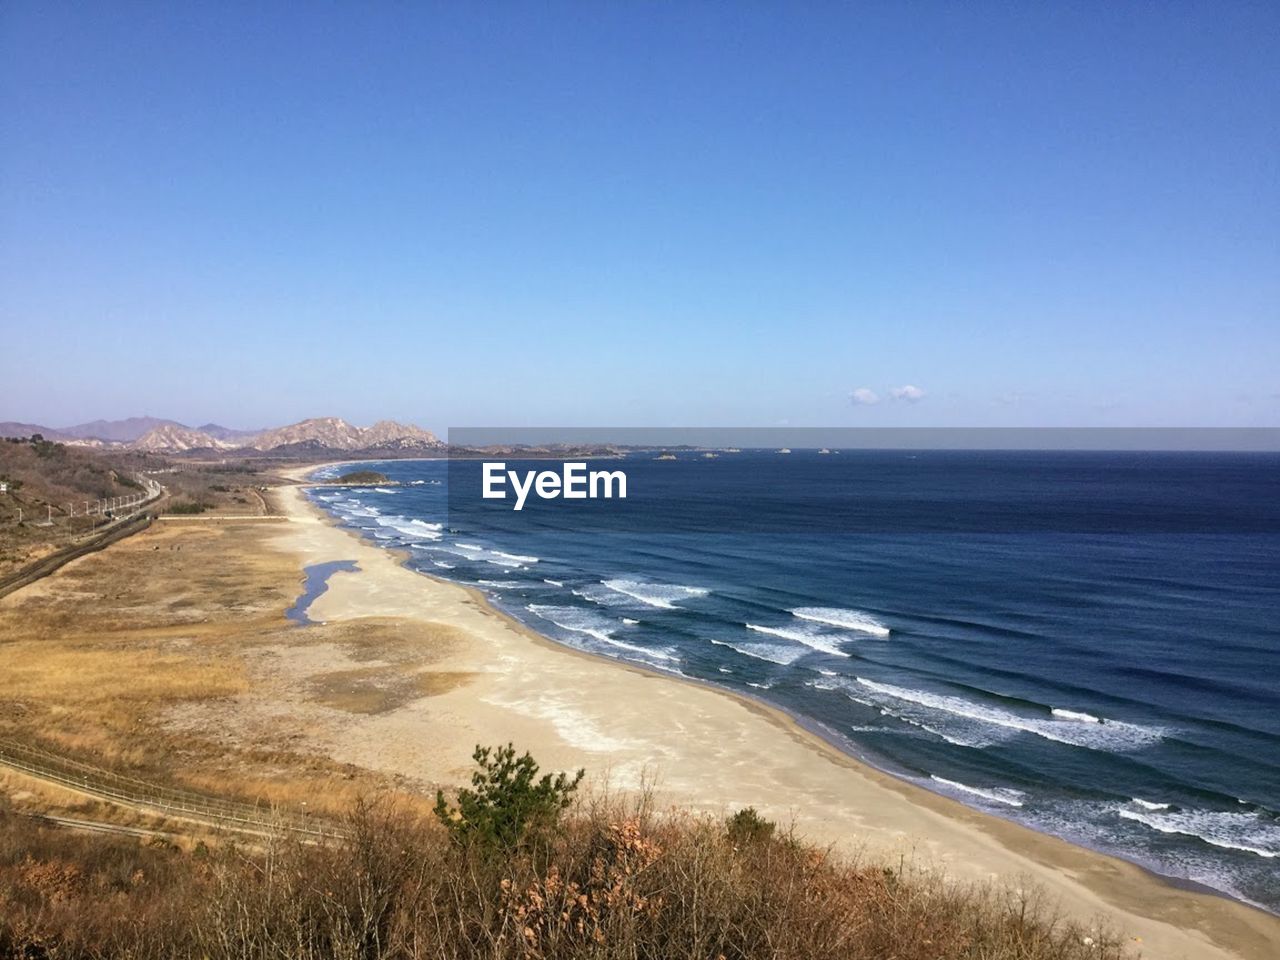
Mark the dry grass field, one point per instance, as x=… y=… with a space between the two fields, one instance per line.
x=117 y=659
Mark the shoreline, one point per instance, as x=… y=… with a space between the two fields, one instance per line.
x=828 y=804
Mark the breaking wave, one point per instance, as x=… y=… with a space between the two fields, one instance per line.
x=813 y=639
x=1006 y=795
x=663 y=595
x=1246 y=832
x=773 y=653
x=844 y=619
x=924 y=706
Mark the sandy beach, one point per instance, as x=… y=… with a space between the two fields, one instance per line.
x=702 y=748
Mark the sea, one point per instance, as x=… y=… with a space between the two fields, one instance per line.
x=1084 y=643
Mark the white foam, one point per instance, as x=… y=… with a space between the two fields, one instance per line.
x=470 y=546
x=629 y=622
x=814 y=639
x=416 y=483
x=773 y=653
x=643 y=651
x=603 y=596
x=1112 y=735
x=595 y=626
x=442 y=565
x=503 y=584
x=974 y=736
x=1148 y=805
x=519 y=558
x=384 y=490
x=844 y=619
x=355 y=509
x=420 y=529
x=1246 y=832
x=571 y=618
x=1006 y=795
x=505 y=562
x=1075 y=715
x=554 y=583
x=661 y=595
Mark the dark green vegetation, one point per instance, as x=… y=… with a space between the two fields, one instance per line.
x=597 y=879
x=362 y=478
x=747 y=826
x=187 y=507
x=507 y=801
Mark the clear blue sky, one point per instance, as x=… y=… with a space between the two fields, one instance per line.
x=641 y=213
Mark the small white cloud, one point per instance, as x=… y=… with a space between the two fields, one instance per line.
x=907 y=392
x=864 y=397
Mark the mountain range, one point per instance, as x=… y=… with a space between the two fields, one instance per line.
x=155 y=435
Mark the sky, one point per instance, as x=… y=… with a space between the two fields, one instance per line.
x=756 y=214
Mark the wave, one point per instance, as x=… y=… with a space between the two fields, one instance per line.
x=668 y=655
x=1005 y=795
x=442 y=565
x=356 y=509
x=1110 y=735
x=959 y=738
x=1075 y=715
x=384 y=490
x=1148 y=805
x=574 y=619
x=577 y=620
x=415 y=529
x=504 y=584
x=603 y=596
x=663 y=595
x=773 y=653
x=519 y=558
x=844 y=619
x=504 y=562
x=554 y=583
x=476 y=548
x=629 y=622
x=810 y=638
x=1245 y=832
x=416 y=483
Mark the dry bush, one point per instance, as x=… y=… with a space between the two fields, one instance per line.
x=614 y=881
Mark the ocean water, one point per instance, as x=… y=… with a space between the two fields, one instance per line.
x=1084 y=643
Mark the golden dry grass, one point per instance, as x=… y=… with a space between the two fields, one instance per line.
x=104 y=659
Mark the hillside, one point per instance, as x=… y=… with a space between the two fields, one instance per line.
x=307 y=438
x=336 y=434
x=47 y=487
x=117 y=431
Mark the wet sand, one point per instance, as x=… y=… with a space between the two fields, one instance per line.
x=710 y=750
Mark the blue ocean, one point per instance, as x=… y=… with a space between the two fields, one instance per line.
x=1086 y=643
